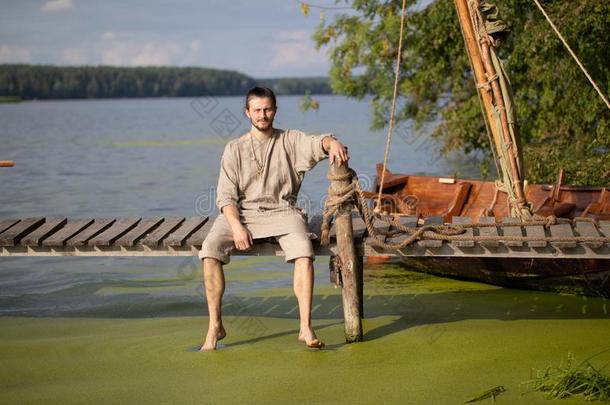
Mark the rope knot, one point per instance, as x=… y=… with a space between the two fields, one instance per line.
x=337 y=199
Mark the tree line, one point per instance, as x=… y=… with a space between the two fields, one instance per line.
x=66 y=82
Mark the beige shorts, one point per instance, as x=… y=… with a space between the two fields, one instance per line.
x=219 y=244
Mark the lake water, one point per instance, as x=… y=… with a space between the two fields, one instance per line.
x=149 y=157
x=72 y=330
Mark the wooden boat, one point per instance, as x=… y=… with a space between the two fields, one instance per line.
x=510 y=196
x=431 y=196
x=427 y=196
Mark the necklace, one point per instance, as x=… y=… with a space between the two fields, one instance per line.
x=260 y=166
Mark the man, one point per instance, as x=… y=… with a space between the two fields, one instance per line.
x=260 y=176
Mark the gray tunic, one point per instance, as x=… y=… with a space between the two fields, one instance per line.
x=267 y=203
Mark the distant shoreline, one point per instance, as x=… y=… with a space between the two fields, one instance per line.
x=39 y=100
x=10 y=99
x=50 y=82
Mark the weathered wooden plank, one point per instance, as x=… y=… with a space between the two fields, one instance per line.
x=512 y=231
x=266 y=249
x=13 y=235
x=588 y=229
x=112 y=234
x=435 y=220
x=134 y=235
x=409 y=221
x=457 y=220
x=604 y=227
x=7 y=223
x=536 y=231
x=168 y=226
x=189 y=227
x=488 y=231
x=99 y=225
x=198 y=237
x=562 y=230
x=72 y=228
x=50 y=226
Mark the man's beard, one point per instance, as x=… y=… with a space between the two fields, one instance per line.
x=262 y=126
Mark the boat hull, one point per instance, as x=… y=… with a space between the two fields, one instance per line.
x=576 y=276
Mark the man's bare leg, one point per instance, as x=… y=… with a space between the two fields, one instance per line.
x=303 y=289
x=214 y=280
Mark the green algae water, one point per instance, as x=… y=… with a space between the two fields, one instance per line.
x=427 y=340
x=127 y=330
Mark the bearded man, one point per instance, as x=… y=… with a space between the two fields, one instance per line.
x=260 y=176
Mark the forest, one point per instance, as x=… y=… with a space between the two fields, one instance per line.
x=68 y=82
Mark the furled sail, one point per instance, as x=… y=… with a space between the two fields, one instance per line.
x=482 y=27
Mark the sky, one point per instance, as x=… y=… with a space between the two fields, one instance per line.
x=264 y=38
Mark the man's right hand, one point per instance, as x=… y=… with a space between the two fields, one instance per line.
x=242 y=237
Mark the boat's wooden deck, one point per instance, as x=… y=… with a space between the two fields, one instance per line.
x=183 y=236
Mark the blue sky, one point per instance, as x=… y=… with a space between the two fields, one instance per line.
x=264 y=38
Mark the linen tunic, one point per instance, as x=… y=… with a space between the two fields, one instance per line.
x=267 y=204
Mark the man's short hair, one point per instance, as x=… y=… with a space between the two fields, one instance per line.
x=260 y=92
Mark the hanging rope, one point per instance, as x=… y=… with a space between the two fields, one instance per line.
x=393 y=108
x=573 y=55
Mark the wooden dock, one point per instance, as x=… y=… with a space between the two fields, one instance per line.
x=181 y=236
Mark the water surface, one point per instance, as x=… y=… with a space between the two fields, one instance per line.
x=125 y=330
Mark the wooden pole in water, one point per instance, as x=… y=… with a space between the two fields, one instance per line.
x=347 y=261
x=7 y=163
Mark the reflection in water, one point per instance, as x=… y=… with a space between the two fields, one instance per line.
x=263 y=287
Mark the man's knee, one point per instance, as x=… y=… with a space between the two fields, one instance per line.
x=210 y=262
x=218 y=249
x=296 y=245
x=303 y=261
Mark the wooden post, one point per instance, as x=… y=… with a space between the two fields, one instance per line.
x=490 y=93
x=477 y=67
x=348 y=262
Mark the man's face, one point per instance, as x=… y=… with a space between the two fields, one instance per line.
x=261 y=112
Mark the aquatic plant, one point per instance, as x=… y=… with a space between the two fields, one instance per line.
x=491 y=393
x=571 y=380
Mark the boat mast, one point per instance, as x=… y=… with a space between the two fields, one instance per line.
x=493 y=90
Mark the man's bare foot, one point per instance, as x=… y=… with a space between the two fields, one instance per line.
x=308 y=337
x=213 y=337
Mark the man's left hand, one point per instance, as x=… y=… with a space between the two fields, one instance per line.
x=337 y=152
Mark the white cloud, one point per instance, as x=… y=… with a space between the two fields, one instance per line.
x=154 y=53
x=57 y=5
x=14 y=54
x=195 y=45
x=295 y=49
x=74 y=57
x=149 y=53
x=109 y=36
